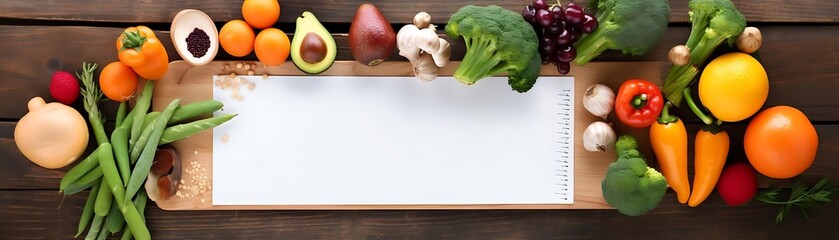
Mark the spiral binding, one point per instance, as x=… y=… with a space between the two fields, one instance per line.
x=564 y=173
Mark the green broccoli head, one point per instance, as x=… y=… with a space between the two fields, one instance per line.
x=712 y=22
x=632 y=27
x=522 y=81
x=630 y=185
x=497 y=41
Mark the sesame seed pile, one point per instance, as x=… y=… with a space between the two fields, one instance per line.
x=233 y=83
x=198 y=183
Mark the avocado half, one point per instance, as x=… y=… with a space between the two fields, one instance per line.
x=308 y=23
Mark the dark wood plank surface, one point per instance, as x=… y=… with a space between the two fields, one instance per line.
x=337 y=11
x=45 y=216
x=799 y=53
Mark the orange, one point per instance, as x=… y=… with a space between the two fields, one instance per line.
x=261 y=13
x=236 y=38
x=733 y=86
x=271 y=46
x=118 y=81
x=780 y=142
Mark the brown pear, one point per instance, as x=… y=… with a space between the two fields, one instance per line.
x=372 y=39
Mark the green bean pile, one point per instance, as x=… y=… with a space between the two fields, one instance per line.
x=117 y=169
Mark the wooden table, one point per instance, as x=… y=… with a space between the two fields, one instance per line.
x=801 y=41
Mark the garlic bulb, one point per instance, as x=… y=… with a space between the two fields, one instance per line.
x=599 y=137
x=599 y=100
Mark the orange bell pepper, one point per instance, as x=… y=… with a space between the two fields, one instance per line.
x=669 y=140
x=139 y=48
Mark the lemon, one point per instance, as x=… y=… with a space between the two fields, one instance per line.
x=733 y=86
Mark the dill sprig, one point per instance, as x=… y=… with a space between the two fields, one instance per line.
x=806 y=199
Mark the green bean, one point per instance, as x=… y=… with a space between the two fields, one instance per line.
x=110 y=173
x=90 y=179
x=141 y=142
x=90 y=162
x=128 y=121
x=111 y=177
x=103 y=233
x=143 y=165
x=119 y=142
x=181 y=131
x=87 y=213
x=140 y=204
x=114 y=222
x=140 y=110
x=140 y=201
x=149 y=119
x=95 y=227
x=121 y=112
x=194 y=109
x=136 y=223
x=104 y=199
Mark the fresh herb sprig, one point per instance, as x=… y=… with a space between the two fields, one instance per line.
x=92 y=97
x=806 y=199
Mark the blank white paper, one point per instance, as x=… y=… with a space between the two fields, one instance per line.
x=321 y=140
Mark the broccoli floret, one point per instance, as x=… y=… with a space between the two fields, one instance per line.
x=712 y=23
x=630 y=185
x=625 y=143
x=497 y=41
x=632 y=27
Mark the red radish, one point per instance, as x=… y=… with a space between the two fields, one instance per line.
x=737 y=184
x=64 y=87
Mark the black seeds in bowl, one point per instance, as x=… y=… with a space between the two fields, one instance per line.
x=198 y=42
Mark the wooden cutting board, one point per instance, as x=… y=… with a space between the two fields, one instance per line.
x=195 y=83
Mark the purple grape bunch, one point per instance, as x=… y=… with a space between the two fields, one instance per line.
x=558 y=29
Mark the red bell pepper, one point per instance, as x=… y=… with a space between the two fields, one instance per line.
x=638 y=103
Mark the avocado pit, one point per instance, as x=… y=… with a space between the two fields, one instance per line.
x=313 y=48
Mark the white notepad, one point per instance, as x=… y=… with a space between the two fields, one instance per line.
x=321 y=140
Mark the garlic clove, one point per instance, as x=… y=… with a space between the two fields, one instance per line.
x=599 y=100
x=441 y=57
x=427 y=40
x=425 y=69
x=599 y=137
x=406 y=42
